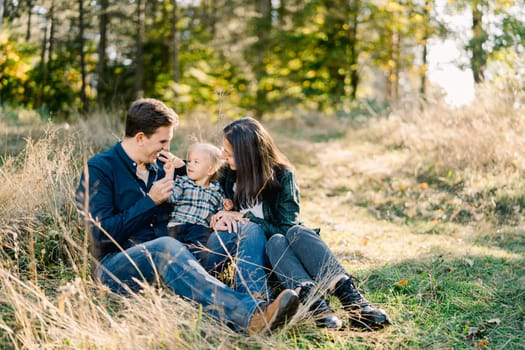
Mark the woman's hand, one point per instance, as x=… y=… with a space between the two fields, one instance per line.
x=227 y=221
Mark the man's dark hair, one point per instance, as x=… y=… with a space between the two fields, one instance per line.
x=147 y=115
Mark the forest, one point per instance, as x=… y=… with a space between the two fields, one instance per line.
x=256 y=57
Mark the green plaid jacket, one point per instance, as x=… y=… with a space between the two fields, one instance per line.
x=280 y=207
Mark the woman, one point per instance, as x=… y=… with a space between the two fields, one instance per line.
x=262 y=184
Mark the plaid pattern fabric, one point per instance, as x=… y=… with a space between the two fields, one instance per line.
x=194 y=204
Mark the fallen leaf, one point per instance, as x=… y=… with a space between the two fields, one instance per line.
x=468 y=261
x=423 y=186
x=483 y=343
x=472 y=332
x=494 y=320
x=401 y=283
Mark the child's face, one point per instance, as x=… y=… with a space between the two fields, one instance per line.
x=199 y=166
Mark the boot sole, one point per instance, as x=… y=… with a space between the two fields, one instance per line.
x=369 y=324
x=288 y=305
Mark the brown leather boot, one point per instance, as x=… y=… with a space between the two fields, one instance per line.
x=269 y=316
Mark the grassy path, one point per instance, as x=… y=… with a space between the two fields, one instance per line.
x=429 y=218
x=446 y=283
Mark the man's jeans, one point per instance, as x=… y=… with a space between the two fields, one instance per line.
x=302 y=257
x=247 y=249
x=179 y=269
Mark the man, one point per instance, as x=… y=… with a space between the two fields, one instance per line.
x=123 y=193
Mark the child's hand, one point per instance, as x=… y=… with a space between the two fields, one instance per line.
x=169 y=168
x=227 y=204
x=171 y=162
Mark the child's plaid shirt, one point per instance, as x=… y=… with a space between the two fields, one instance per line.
x=194 y=204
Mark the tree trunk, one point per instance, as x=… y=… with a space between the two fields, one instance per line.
x=209 y=14
x=83 y=97
x=264 y=25
x=51 y=42
x=102 y=60
x=424 y=54
x=352 y=43
x=29 y=18
x=46 y=53
x=139 y=59
x=1 y=13
x=423 y=77
x=479 y=36
x=282 y=12
x=393 y=70
x=174 y=44
x=43 y=64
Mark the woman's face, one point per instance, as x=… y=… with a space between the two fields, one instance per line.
x=227 y=153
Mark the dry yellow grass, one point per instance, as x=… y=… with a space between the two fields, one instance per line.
x=348 y=172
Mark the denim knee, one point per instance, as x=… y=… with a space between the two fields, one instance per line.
x=295 y=231
x=166 y=244
x=274 y=242
x=253 y=230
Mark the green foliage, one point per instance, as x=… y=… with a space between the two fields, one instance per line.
x=513 y=34
x=318 y=55
x=14 y=69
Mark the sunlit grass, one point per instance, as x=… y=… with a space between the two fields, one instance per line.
x=424 y=206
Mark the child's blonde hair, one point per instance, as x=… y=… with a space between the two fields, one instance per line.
x=213 y=152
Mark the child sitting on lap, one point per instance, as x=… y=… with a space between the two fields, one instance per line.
x=196 y=197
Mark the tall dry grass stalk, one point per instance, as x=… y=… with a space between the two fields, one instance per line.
x=47 y=299
x=85 y=316
x=484 y=137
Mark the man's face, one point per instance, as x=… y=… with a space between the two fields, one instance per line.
x=153 y=145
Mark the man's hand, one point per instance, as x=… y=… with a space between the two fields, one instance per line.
x=161 y=190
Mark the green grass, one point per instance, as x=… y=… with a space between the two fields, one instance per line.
x=431 y=228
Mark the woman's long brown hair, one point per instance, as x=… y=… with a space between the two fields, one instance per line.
x=256 y=159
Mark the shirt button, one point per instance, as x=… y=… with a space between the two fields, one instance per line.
x=150 y=225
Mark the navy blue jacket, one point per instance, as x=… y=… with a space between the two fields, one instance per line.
x=118 y=200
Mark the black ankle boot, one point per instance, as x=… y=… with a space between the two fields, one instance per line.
x=354 y=302
x=323 y=316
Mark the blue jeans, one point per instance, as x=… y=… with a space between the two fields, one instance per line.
x=301 y=257
x=247 y=249
x=168 y=258
x=194 y=237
